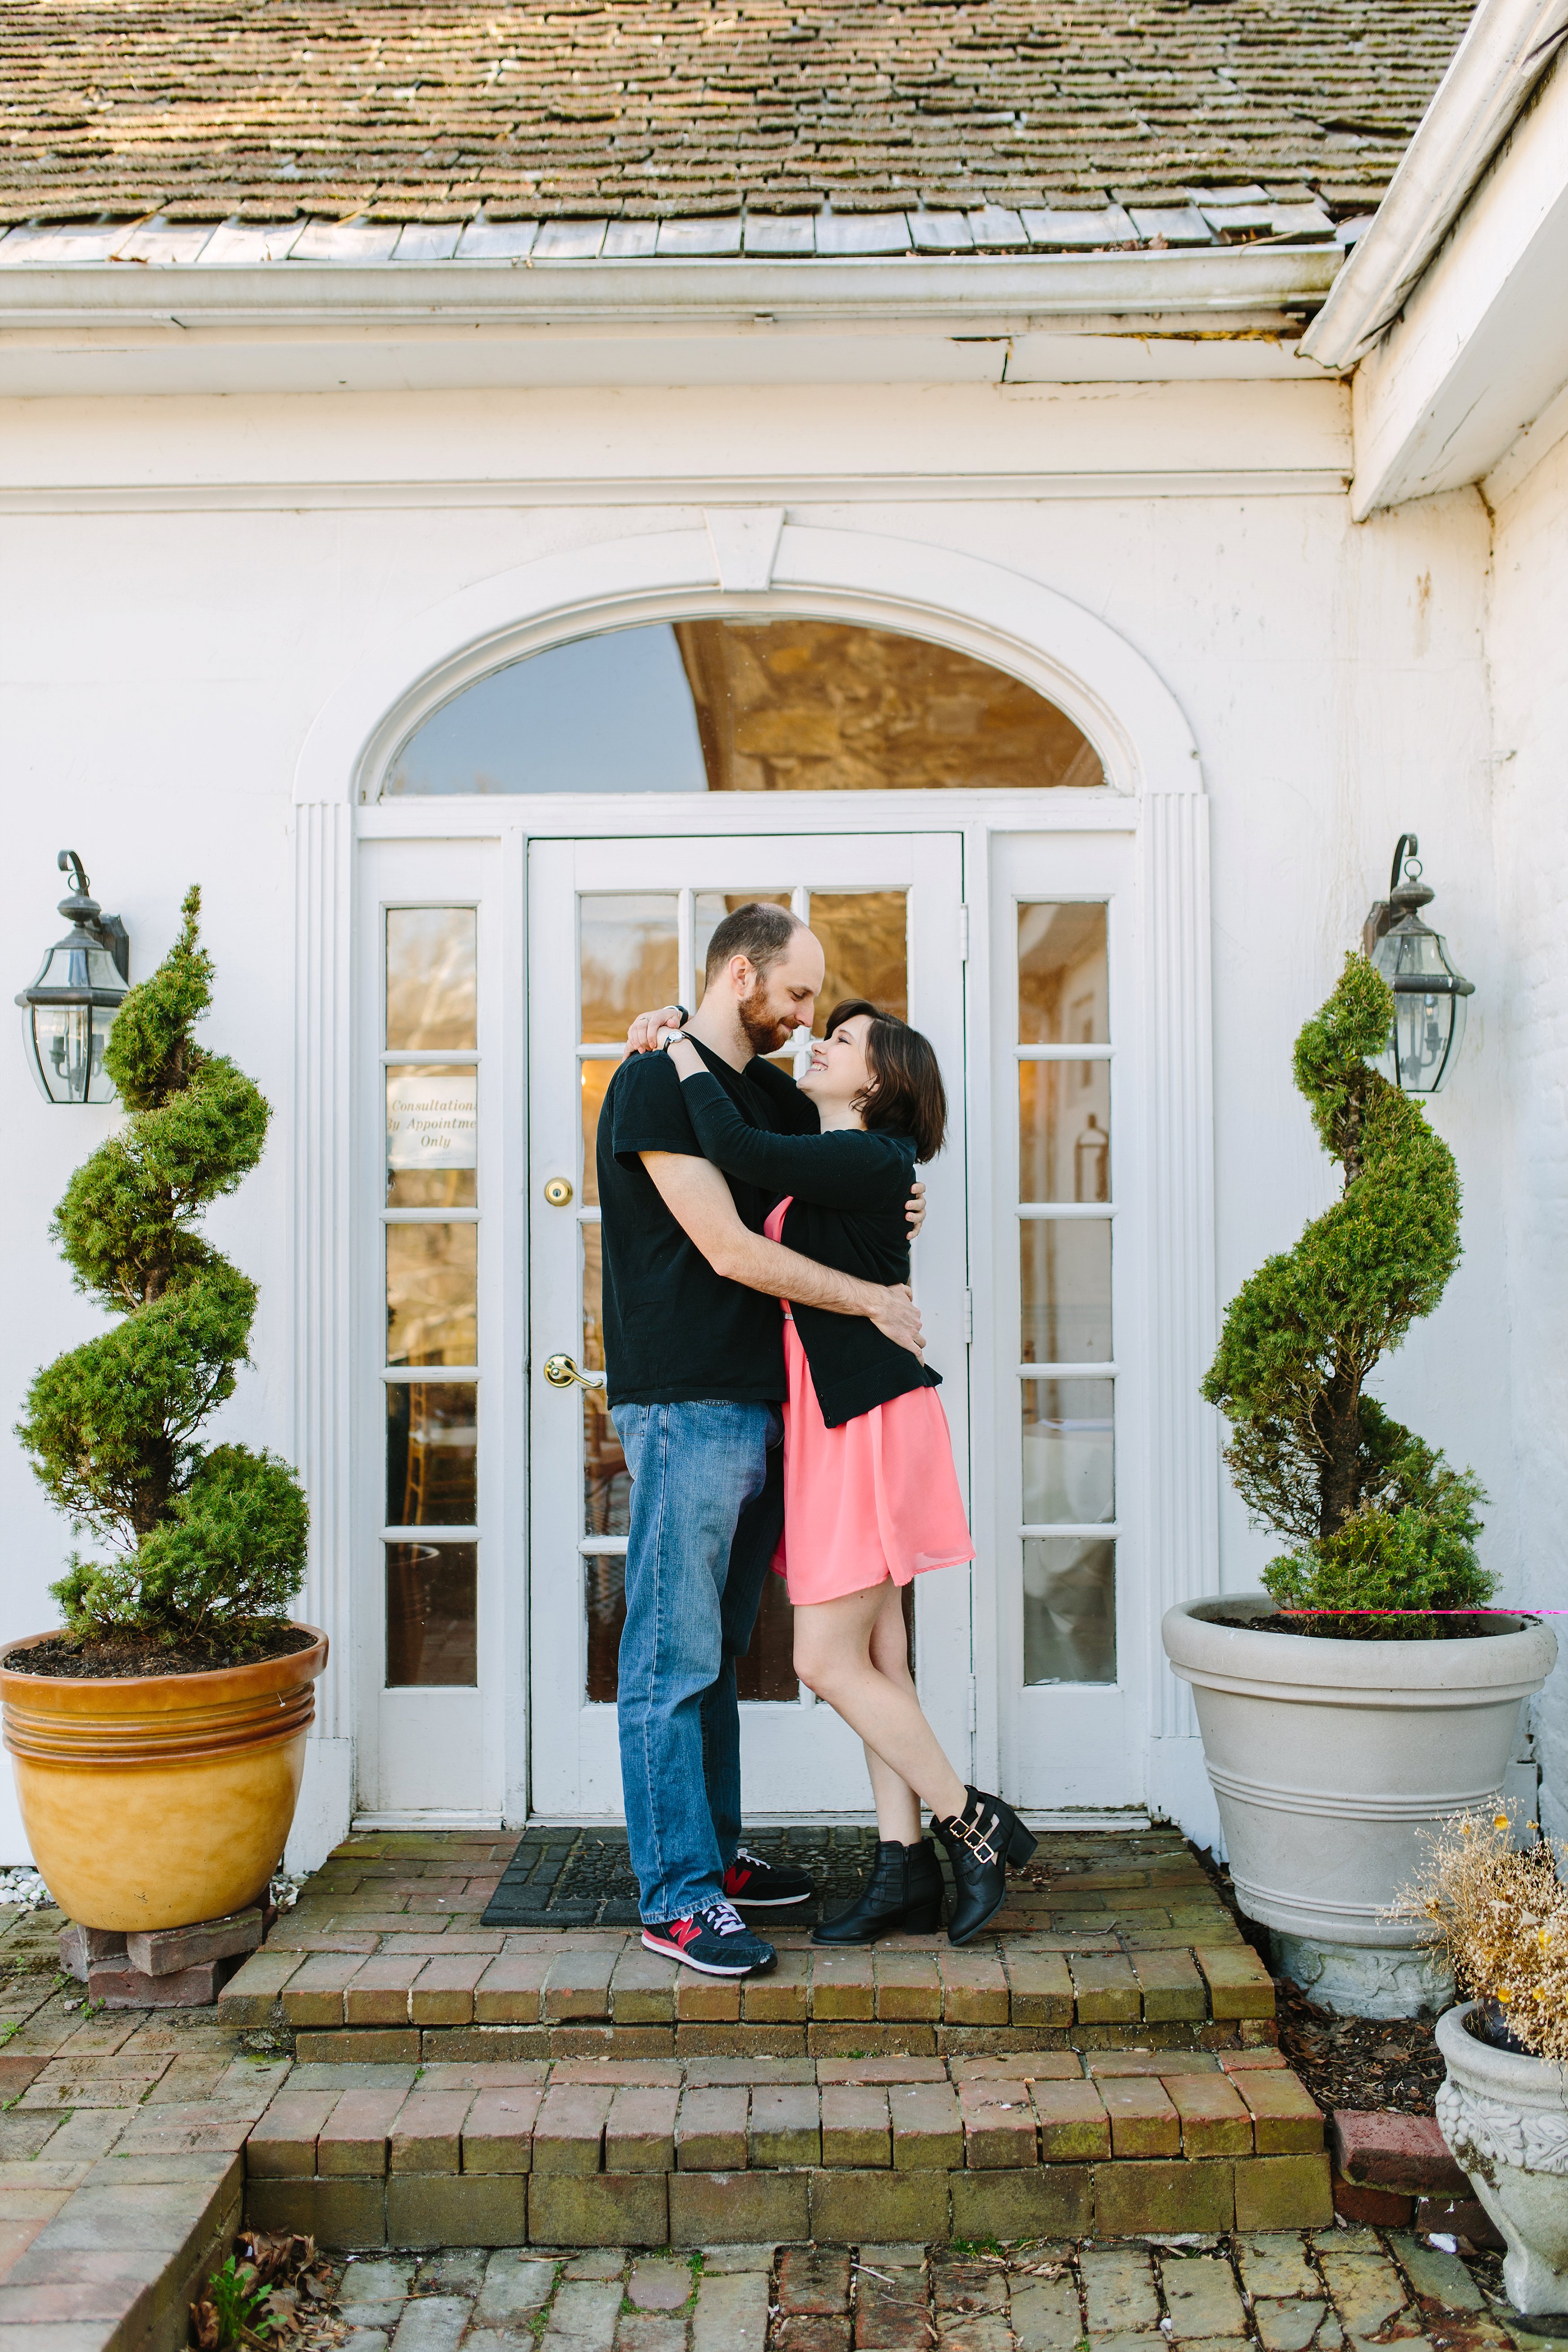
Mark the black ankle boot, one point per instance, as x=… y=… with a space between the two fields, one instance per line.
x=902 y=1897
x=981 y=1842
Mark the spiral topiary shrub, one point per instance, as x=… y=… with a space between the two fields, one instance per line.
x=1377 y=1519
x=206 y=1548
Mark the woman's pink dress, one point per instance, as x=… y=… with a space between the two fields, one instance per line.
x=875 y=1497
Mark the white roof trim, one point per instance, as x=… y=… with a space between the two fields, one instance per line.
x=684 y=294
x=1509 y=47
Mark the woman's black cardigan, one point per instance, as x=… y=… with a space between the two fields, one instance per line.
x=851 y=1189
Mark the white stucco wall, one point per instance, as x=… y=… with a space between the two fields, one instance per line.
x=1529 y=654
x=161 y=668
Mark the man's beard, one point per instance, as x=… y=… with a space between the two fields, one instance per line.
x=765 y=1031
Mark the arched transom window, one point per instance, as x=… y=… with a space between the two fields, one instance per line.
x=727 y=706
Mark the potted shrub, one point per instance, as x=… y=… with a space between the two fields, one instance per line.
x=1334 y=1734
x=158 y=1739
x=1501 y=1920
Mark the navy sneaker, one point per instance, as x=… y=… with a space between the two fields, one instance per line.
x=716 y=1940
x=754 y=1883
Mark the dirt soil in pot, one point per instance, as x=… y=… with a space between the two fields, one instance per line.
x=65 y=1660
x=1370 y=1625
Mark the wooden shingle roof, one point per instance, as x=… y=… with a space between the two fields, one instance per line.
x=390 y=110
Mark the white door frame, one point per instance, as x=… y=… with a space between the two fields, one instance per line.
x=1154 y=790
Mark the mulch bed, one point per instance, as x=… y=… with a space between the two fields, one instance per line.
x=1359 y=2062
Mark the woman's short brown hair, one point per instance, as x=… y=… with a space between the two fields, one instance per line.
x=907 y=1097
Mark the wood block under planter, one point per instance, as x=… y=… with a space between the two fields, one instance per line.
x=165 y=1951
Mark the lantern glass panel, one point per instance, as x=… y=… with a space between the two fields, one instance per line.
x=1428 y=1022
x=67 y=1040
x=1427 y=1032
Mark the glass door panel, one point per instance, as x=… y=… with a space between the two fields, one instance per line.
x=632 y=921
x=430 y=1473
x=1063 y=1025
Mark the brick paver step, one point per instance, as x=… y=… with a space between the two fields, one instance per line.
x=738 y=2145
x=558 y=1984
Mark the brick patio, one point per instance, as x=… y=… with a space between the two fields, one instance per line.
x=1278 y=2292
x=390 y=2076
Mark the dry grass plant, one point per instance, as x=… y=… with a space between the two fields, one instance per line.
x=1501 y=1920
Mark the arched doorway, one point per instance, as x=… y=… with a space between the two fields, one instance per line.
x=660 y=749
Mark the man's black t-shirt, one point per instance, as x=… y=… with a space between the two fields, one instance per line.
x=675 y=1330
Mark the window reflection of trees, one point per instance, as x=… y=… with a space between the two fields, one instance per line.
x=776 y=706
x=431 y=979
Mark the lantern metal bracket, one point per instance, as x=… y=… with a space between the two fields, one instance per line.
x=1407 y=894
x=83 y=908
x=1404 y=898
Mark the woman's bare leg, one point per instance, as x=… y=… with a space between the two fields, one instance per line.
x=897 y=1807
x=834 y=1642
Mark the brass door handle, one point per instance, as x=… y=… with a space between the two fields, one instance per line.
x=561 y=1372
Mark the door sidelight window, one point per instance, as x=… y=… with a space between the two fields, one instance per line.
x=430 y=1215
x=1067 y=1372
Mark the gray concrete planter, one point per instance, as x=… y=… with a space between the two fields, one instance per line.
x=1331 y=1763
x=1505 y=2118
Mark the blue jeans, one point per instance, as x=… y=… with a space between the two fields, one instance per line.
x=707 y=1508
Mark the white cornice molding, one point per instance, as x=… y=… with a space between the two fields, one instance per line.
x=288 y=296
x=294 y=496
x=1509 y=47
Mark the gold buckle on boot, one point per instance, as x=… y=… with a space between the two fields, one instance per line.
x=979 y=1844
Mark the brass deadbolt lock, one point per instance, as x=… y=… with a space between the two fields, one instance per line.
x=558 y=1191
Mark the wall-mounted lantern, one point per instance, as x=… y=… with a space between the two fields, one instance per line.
x=1428 y=993
x=67 y=1012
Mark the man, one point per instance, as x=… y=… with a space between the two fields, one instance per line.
x=694 y=1350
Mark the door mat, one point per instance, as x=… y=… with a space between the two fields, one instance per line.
x=583 y=1877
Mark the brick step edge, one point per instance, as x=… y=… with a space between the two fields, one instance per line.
x=1121 y=2197
x=342 y=1983
x=413 y=2045
x=179 y=2208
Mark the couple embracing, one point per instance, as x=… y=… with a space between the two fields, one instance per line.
x=767 y=1383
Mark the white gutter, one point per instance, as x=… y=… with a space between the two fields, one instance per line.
x=975 y=292
x=1507 y=48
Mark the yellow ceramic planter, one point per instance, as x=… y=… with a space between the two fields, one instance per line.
x=156 y=1800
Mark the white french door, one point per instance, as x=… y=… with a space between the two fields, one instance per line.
x=616 y=926
x=1067 y=1331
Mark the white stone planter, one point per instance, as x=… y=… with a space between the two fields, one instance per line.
x=1333 y=1762
x=1505 y=2118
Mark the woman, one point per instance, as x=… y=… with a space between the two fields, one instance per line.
x=871 y=1497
